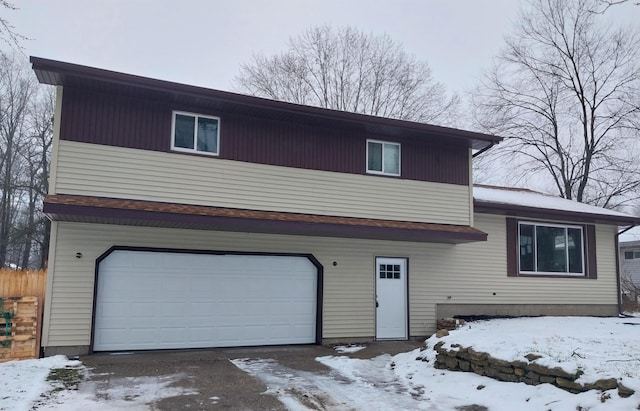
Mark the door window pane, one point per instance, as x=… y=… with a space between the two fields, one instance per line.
x=389 y=271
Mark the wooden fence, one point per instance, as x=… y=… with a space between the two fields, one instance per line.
x=21 y=306
x=23 y=283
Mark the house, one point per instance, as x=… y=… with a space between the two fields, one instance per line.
x=184 y=217
x=630 y=264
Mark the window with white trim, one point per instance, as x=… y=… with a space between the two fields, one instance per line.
x=383 y=158
x=550 y=249
x=195 y=133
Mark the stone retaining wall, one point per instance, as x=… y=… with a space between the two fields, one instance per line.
x=467 y=359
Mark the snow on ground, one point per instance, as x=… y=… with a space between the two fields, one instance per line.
x=603 y=347
x=25 y=387
x=131 y=394
x=600 y=347
x=348 y=349
x=24 y=381
x=355 y=385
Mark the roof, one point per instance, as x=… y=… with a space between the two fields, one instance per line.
x=529 y=203
x=67 y=74
x=91 y=209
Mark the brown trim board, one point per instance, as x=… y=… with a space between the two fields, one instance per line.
x=149 y=213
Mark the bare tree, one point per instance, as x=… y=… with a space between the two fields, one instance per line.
x=604 y=5
x=345 y=69
x=8 y=35
x=630 y=289
x=565 y=90
x=16 y=91
x=34 y=227
x=26 y=129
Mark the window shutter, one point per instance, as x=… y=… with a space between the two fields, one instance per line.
x=512 y=247
x=590 y=250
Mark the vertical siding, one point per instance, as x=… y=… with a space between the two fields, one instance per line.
x=438 y=273
x=97 y=170
x=116 y=120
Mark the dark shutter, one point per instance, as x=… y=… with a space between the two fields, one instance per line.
x=590 y=250
x=512 y=247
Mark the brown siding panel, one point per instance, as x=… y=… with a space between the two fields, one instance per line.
x=591 y=252
x=116 y=120
x=512 y=247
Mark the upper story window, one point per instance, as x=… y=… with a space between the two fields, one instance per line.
x=383 y=158
x=551 y=249
x=195 y=133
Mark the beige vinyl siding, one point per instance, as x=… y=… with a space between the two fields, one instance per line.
x=467 y=273
x=348 y=287
x=471 y=274
x=97 y=170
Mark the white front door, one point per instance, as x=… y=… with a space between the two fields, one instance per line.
x=391 y=299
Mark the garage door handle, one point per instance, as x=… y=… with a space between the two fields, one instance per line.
x=377 y=305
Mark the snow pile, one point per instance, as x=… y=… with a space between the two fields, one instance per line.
x=598 y=347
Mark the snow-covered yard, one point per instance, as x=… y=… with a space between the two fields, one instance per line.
x=599 y=347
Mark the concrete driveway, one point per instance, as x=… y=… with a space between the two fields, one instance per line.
x=209 y=380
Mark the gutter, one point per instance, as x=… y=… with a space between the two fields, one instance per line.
x=483 y=150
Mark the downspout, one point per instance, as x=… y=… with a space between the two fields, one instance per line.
x=617 y=247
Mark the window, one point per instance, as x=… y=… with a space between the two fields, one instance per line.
x=390 y=271
x=630 y=255
x=383 y=158
x=550 y=249
x=195 y=133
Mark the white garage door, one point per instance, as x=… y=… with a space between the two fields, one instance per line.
x=158 y=300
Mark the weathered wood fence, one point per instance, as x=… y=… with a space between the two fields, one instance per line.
x=21 y=306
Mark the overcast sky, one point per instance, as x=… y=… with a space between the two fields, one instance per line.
x=204 y=42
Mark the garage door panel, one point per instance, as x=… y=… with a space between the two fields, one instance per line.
x=155 y=300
